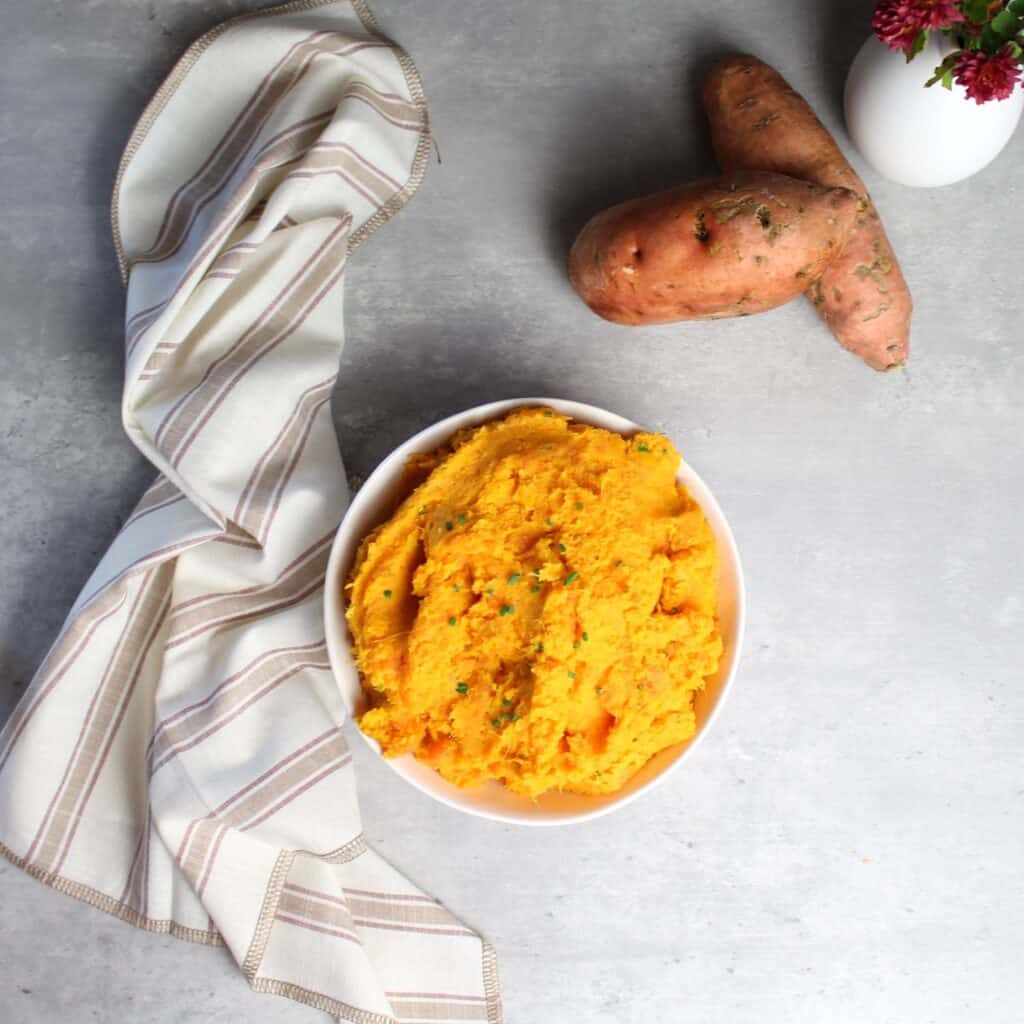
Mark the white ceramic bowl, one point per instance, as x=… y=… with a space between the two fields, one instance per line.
x=377 y=499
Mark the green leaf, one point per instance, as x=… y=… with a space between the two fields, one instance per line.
x=1005 y=25
x=1016 y=7
x=942 y=71
x=976 y=10
x=947 y=79
x=992 y=41
x=1015 y=49
x=920 y=42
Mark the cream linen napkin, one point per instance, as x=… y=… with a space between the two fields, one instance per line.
x=178 y=759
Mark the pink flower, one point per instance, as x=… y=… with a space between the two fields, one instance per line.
x=937 y=13
x=898 y=22
x=895 y=24
x=986 y=78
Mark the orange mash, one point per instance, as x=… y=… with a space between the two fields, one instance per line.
x=540 y=610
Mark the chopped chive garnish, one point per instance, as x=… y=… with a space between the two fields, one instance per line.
x=505 y=702
x=506 y=609
x=496 y=722
x=579 y=504
x=456 y=587
x=534 y=589
x=575 y=644
x=489 y=590
x=586 y=637
x=462 y=688
x=387 y=594
x=539 y=648
x=551 y=522
x=506 y=716
x=515 y=718
x=572 y=675
x=422 y=511
x=562 y=548
x=642 y=448
x=452 y=621
x=514 y=579
x=449 y=525
x=568 y=579
x=461 y=517
x=549 y=414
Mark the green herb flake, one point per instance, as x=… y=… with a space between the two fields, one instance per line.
x=569 y=579
x=575 y=645
x=505 y=702
x=549 y=414
x=506 y=716
x=456 y=587
x=452 y=621
x=449 y=525
x=387 y=594
x=586 y=636
x=534 y=588
x=562 y=548
x=514 y=579
x=496 y=722
x=572 y=675
x=579 y=504
x=642 y=448
x=515 y=718
x=462 y=688
x=461 y=517
x=550 y=522
x=600 y=689
x=422 y=511
x=539 y=648
x=489 y=591
x=506 y=609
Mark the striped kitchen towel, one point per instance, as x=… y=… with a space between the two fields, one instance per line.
x=178 y=759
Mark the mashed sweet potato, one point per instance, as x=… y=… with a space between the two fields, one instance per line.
x=540 y=610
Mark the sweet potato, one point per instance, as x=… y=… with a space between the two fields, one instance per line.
x=720 y=247
x=759 y=123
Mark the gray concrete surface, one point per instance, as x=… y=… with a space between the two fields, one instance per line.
x=846 y=846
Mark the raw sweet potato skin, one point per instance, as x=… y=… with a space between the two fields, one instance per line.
x=729 y=246
x=759 y=122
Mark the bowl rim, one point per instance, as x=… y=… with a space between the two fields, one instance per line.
x=344 y=546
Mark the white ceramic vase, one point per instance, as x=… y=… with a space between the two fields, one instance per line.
x=918 y=136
